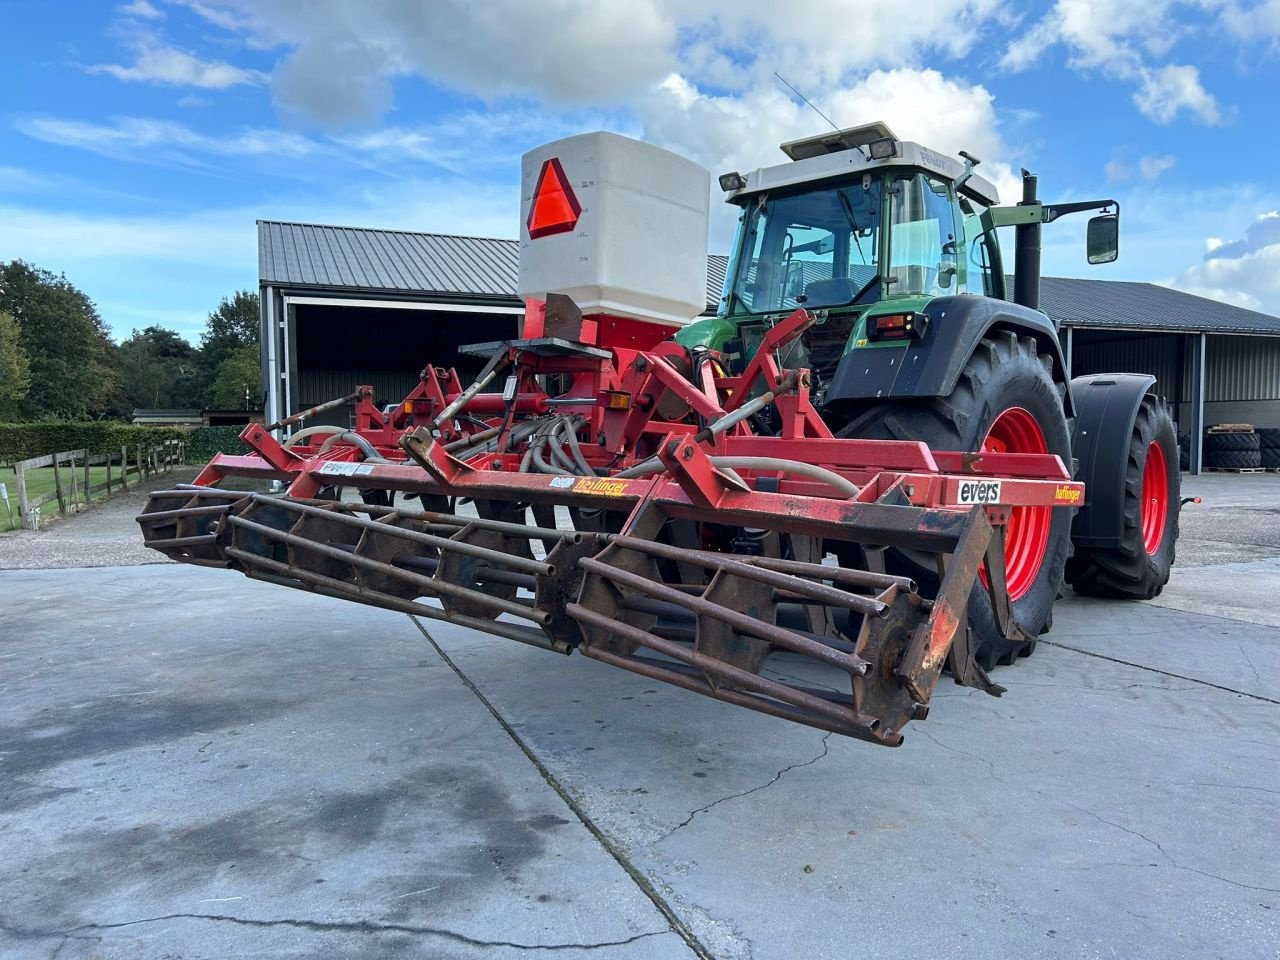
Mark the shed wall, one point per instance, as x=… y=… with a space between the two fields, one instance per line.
x=1242 y=374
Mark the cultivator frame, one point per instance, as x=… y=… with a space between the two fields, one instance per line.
x=669 y=537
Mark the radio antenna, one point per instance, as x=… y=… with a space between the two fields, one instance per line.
x=806 y=100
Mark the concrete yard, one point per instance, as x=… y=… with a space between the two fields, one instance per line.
x=198 y=765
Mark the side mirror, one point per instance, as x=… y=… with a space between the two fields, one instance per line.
x=1102 y=242
x=793 y=279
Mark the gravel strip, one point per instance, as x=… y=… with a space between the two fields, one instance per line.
x=104 y=535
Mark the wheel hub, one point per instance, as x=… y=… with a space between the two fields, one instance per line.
x=1026 y=536
x=1155 y=497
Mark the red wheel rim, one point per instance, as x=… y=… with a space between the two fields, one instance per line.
x=1026 y=537
x=1155 y=497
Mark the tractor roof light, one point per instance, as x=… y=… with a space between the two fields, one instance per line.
x=883 y=149
x=732 y=181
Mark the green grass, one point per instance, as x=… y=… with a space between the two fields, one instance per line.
x=40 y=482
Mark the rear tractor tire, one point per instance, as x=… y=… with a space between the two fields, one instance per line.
x=1138 y=568
x=1007 y=400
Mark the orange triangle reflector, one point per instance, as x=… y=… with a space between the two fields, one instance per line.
x=555 y=209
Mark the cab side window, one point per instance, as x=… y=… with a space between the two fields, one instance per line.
x=923 y=242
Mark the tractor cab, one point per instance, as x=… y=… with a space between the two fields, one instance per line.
x=862 y=225
x=835 y=230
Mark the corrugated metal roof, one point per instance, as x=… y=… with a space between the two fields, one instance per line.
x=1145 y=306
x=302 y=255
x=355 y=258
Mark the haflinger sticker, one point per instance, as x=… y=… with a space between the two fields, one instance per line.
x=1066 y=494
x=600 y=487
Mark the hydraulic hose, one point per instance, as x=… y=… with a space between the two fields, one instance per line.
x=797 y=467
x=296 y=438
x=571 y=432
x=371 y=454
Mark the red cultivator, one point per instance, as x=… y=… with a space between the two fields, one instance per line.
x=631 y=500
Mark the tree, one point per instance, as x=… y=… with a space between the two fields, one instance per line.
x=15 y=367
x=232 y=326
x=160 y=369
x=72 y=373
x=238 y=377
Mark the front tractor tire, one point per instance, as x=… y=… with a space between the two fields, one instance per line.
x=1006 y=400
x=1138 y=567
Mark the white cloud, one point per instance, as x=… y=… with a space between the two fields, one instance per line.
x=1165 y=92
x=1149 y=167
x=1244 y=271
x=1115 y=38
x=1253 y=23
x=161 y=141
x=142 y=9
x=580 y=52
x=157 y=62
x=742 y=131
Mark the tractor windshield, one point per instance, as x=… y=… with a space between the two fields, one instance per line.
x=814 y=249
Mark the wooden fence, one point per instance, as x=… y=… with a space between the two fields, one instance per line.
x=71 y=479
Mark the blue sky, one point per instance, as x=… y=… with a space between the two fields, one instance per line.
x=140 y=140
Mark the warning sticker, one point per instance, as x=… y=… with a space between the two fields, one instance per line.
x=600 y=487
x=345 y=469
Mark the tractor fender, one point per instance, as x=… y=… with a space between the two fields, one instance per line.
x=1106 y=406
x=930 y=366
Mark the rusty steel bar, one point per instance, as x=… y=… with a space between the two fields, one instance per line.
x=523 y=564
x=432 y=587
x=360 y=594
x=779 y=581
x=497 y=362
x=314 y=411
x=741 y=622
x=179 y=513
x=860 y=578
x=427 y=516
x=684 y=615
x=675 y=675
x=483 y=574
x=711 y=665
x=197 y=490
x=203 y=540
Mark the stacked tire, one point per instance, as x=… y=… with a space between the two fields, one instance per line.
x=1233 y=451
x=1269 y=447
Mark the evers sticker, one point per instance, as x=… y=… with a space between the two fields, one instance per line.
x=978 y=492
x=599 y=487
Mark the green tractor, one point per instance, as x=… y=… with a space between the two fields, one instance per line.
x=893 y=247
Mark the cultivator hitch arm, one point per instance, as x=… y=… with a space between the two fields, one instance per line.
x=639 y=517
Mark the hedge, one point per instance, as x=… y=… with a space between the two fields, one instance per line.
x=204 y=442
x=21 y=441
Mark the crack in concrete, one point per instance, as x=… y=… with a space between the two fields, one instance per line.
x=318 y=926
x=1249 y=660
x=676 y=924
x=1163 y=673
x=826 y=738
x=1089 y=813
